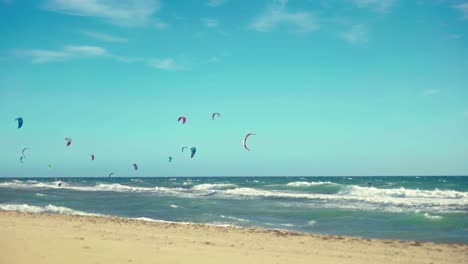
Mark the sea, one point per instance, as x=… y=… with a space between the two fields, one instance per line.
x=404 y=208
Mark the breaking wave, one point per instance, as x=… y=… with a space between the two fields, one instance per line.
x=52 y=209
x=308 y=184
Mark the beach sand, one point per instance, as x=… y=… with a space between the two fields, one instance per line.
x=42 y=238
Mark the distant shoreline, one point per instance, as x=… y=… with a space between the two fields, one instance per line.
x=131 y=177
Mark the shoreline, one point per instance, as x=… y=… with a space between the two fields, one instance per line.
x=257 y=229
x=123 y=240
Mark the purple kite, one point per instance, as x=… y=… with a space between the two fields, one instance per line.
x=183 y=118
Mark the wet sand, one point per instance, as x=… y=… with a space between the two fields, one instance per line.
x=44 y=238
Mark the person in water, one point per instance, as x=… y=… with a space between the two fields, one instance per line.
x=59 y=184
x=369 y=184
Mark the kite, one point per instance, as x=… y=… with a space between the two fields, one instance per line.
x=192 y=151
x=244 y=142
x=214 y=114
x=184 y=148
x=92 y=156
x=110 y=174
x=170 y=159
x=20 y=121
x=183 y=118
x=50 y=166
x=21 y=159
x=69 y=141
x=24 y=151
x=135 y=166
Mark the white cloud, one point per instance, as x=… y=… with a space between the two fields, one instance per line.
x=128 y=13
x=453 y=36
x=358 y=34
x=68 y=52
x=92 y=51
x=463 y=8
x=430 y=92
x=276 y=15
x=213 y=59
x=376 y=5
x=43 y=56
x=104 y=37
x=214 y=3
x=165 y=64
x=161 y=25
x=209 y=23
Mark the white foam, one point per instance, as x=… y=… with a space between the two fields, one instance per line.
x=43 y=209
x=311 y=222
x=136 y=180
x=214 y=186
x=308 y=184
x=174 y=206
x=114 y=187
x=235 y=218
x=354 y=190
x=356 y=197
x=40 y=194
x=432 y=217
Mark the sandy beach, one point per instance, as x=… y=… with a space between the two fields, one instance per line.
x=45 y=238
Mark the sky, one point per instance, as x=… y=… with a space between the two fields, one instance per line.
x=338 y=87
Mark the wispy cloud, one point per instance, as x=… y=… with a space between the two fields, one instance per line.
x=277 y=14
x=463 y=8
x=453 y=36
x=214 y=3
x=168 y=64
x=68 y=52
x=104 y=37
x=358 y=34
x=209 y=22
x=161 y=25
x=127 y=13
x=43 y=56
x=376 y=5
x=430 y=92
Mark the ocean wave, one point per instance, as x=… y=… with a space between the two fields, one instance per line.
x=308 y=184
x=432 y=217
x=356 y=198
x=43 y=209
x=101 y=187
x=354 y=190
x=136 y=180
x=213 y=186
x=234 y=218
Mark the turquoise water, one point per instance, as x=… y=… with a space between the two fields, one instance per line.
x=407 y=208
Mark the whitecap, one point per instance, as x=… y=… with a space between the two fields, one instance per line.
x=235 y=218
x=43 y=209
x=308 y=184
x=213 y=186
x=432 y=217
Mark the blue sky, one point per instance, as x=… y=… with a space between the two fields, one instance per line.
x=351 y=87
